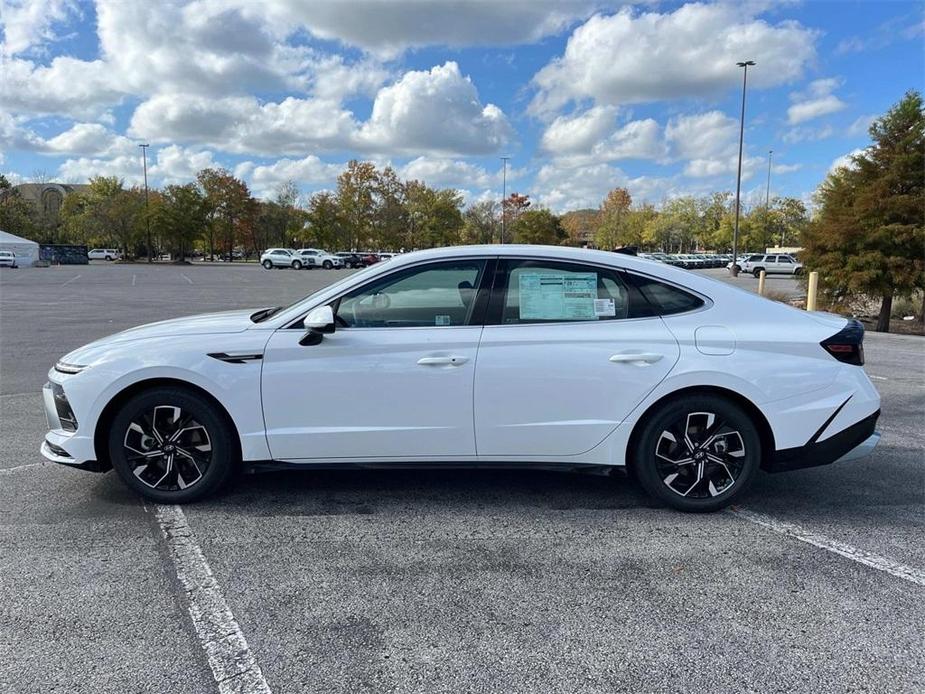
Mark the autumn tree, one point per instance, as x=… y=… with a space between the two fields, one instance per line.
x=511 y=208
x=106 y=214
x=613 y=214
x=356 y=202
x=868 y=236
x=229 y=208
x=481 y=222
x=540 y=227
x=580 y=226
x=324 y=223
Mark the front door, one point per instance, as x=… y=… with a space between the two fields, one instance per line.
x=393 y=381
x=567 y=352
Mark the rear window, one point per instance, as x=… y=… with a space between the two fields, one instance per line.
x=665 y=298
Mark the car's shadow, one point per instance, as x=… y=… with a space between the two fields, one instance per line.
x=367 y=491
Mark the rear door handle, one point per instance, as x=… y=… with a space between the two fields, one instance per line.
x=442 y=361
x=645 y=357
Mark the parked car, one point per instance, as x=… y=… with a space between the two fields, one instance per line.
x=743 y=257
x=320 y=258
x=104 y=254
x=281 y=257
x=352 y=260
x=773 y=264
x=387 y=256
x=491 y=354
x=370 y=259
x=7 y=259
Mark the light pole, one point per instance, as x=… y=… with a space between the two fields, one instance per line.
x=735 y=232
x=144 y=164
x=503 y=193
x=767 y=197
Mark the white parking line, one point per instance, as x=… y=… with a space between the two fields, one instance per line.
x=233 y=665
x=874 y=561
x=18 y=467
x=134 y=277
x=876 y=378
x=186 y=278
x=73 y=279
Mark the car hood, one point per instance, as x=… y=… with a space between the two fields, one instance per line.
x=204 y=324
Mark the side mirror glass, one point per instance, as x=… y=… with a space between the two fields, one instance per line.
x=319 y=322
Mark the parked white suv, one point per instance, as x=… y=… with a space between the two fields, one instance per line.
x=7 y=259
x=781 y=264
x=104 y=254
x=316 y=257
x=281 y=257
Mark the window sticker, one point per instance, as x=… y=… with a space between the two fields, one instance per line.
x=441 y=319
x=557 y=296
x=604 y=308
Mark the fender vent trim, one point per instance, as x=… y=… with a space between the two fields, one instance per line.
x=235 y=358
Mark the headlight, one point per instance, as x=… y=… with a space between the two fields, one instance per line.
x=65 y=368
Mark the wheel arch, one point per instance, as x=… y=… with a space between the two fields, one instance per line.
x=108 y=413
x=761 y=422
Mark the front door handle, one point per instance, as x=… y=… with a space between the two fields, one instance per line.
x=645 y=358
x=442 y=361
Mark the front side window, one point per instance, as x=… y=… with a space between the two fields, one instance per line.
x=434 y=295
x=531 y=291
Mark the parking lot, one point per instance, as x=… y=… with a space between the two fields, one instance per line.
x=440 y=580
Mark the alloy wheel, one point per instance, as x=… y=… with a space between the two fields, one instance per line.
x=167 y=449
x=700 y=456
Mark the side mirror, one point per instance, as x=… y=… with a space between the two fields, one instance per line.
x=319 y=322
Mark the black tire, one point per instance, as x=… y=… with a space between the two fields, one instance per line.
x=721 y=466
x=757 y=271
x=108 y=258
x=267 y=264
x=196 y=450
x=327 y=264
x=798 y=271
x=296 y=264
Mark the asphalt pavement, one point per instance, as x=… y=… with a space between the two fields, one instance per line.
x=441 y=580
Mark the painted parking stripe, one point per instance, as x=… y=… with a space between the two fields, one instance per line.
x=874 y=561
x=186 y=278
x=230 y=659
x=19 y=467
x=73 y=279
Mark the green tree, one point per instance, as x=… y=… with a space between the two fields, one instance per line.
x=324 y=223
x=17 y=216
x=540 y=227
x=356 y=202
x=230 y=209
x=868 y=235
x=481 y=222
x=185 y=217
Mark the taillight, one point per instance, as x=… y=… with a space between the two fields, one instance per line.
x=847 y=345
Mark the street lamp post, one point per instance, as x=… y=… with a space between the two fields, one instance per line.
x=767 y=198
x=735 y=232
x=503 y=193
x=144 y=164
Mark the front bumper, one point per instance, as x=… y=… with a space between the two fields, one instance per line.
x=852 y=443
x=71 y=448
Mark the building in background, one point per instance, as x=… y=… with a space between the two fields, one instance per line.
x=47 y=199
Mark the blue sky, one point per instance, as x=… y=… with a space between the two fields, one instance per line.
x=583 y=95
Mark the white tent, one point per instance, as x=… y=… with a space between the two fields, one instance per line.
x=27 y=252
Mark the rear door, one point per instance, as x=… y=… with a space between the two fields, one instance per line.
x=567 y=352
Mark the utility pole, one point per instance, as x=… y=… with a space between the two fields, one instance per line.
x=503 y=193
x=767 y=200
x=735 y=233
x=144 y=164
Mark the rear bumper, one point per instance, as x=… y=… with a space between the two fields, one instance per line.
x=853 y=442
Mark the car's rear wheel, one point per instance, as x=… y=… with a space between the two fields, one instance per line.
x=697 y=453
x=296 y=264
x=172 y=445
x=757 y=271
x=268 y=264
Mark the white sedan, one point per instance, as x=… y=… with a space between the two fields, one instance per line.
x=506 y=355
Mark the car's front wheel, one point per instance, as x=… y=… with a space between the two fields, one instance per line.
x=296 y=264
x=268 y=264
x=697 y=453
x=172 y=445
x=327 y=264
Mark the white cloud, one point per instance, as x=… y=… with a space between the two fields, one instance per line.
x=816 y=101
x=845 y=160
x=451 y=173
x=562 y=186
x=860 y=125
x=808 y=134
x=28 y=24
x=78 y=88
x=691 y=52
x=388 y=28
x=703 y=135
x=436 y=111
x=265 y=178
x=168 y=165
x=90 y=139
x=578 y=133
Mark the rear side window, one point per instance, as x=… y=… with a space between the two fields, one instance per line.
x=533 y=291
x=666 y=299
